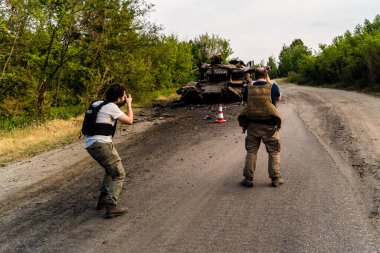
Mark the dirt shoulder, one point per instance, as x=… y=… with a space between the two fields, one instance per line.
x=346 y=123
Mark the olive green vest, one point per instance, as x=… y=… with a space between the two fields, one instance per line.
x=259 y=104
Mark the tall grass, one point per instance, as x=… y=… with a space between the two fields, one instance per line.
x=146 y=98
x=26 y=142
x=22 y=122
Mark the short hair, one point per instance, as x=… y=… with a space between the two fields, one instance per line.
x=261 y=72
x=115 y=91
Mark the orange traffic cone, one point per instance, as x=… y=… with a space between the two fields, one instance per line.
x=220 y=115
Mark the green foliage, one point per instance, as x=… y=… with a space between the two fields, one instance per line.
x=291 y=56
x=204 y=46
x=66 y=112
x=58 y=56
x=353 y=59
x=296 y=78
x=273 y=73
x=9 y=124
x=21 y=121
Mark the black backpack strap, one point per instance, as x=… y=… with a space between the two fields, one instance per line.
x=114 y=128
x=97 y=108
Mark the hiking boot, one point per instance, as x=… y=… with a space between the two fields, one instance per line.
x=113 y=211
x=247 y=182
x=101 y=205
x=277 y=181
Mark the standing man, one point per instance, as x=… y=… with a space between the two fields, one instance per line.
x=99 y=127
x=262 y=121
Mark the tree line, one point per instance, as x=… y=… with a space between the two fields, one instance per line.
x=351 y=60
x=58 y=56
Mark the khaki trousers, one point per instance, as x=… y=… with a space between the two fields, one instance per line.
x=106 y=155
x=271 y=138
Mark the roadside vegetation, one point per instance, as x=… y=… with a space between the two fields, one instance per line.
x=351 y=61
x=58 y=56
x=31 y=140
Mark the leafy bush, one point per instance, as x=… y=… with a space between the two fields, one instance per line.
x=66 y=112
x=9 y=124
x=351 y=61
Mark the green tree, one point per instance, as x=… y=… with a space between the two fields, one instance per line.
x=273 y=73
x=15 y=19
x=58 y=33
x=205 y=46
x=352 y=59
x=291 y=56
x=57 y=56
x=115 y=39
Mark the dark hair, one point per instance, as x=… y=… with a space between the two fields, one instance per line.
x=115 y=91
x=261 y=72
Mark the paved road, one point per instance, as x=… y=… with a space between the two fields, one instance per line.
x=198 y=206
x=184 y=194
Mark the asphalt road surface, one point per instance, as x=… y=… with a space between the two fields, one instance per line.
x=183 y=186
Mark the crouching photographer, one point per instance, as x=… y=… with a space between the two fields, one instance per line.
x=99 y=127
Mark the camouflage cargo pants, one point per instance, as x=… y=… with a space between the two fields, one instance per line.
x=271 y=138
x=106 y=155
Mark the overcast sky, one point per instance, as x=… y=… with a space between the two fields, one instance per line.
x=259 y=29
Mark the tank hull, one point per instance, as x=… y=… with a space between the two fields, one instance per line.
x=218 y=83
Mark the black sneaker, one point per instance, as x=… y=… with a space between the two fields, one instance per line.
x=247 y=183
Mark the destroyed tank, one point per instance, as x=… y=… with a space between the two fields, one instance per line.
x=219 y=82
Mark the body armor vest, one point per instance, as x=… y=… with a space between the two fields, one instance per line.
x=90 y=127
x=259 y=105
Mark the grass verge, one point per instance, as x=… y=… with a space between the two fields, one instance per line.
x=22 y=143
